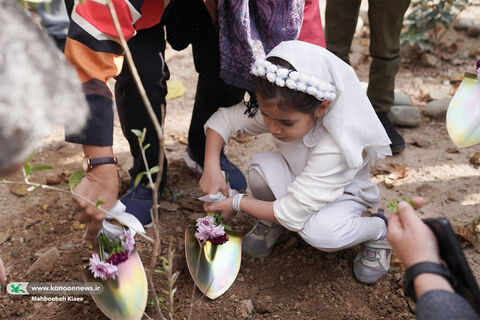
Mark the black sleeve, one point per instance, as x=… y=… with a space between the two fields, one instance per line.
x=441 y=304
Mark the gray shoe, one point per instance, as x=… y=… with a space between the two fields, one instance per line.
x=372 y=261
x=259 y=242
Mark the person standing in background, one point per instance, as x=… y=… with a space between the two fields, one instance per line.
x=386 y=20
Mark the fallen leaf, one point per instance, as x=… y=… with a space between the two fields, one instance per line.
x=376 y=171
x=176 y=89
x=20 y=190
x=78 y=226
x=44 y=207
x=452 y=150
x=475 y=159
x=396 y=262
x=467 y=233
x=58 y=178
x=397 y=172
x=5 y=235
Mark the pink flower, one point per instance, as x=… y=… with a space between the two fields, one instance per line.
x=101 y=269
x=477 y=67
x=128 y=241
x=207 y=229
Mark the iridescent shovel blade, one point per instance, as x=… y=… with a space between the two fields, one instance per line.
x=463 y=115
x=218 y=265
x=126 y=296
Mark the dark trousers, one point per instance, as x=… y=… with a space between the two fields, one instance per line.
x=148 y=48
x=148 y=51
x=386 y=20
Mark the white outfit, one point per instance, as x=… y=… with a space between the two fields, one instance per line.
x=320 y=182
x=318 y=194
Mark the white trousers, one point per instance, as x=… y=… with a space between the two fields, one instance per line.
x=338 y=225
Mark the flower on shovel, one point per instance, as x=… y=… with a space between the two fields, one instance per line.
x=209 y=230
x=111 y=254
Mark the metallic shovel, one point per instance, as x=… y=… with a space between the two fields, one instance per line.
x=213 y=267
x=124 y=298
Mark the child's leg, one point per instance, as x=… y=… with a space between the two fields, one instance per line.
x=263 y=236
x=339 y=225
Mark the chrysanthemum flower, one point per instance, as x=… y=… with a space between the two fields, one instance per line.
x=101 y=269
x=128 y=241
x=207 y=229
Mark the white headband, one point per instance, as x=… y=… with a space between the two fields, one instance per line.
x=293 y=80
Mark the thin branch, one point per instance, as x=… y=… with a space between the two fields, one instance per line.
x=77 y=195
x=159 y=130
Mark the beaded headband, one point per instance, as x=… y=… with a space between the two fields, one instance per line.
x=294 y=80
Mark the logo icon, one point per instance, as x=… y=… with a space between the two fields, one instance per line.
x=17 y=288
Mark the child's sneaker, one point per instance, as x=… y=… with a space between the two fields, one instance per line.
x=372 y=261
x=139 y=201
x=259 y=242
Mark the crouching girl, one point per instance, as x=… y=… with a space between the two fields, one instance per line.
x=317 y=182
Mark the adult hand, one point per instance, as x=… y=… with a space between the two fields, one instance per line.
x=411 y=239
x=101 y=182
x=224 y=206
x=213 y=181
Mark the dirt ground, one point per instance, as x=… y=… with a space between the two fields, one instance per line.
x=296 y=281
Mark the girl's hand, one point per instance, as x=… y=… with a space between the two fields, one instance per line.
x=213 y=181
x=224 y=206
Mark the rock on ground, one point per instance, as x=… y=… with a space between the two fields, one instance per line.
x=401 y=99
x=437 y=108
x=46 y=261
x=406 y=116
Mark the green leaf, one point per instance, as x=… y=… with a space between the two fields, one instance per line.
x=42 y=167
x=30 y=157
x=75 y=178
x=27 y=170
x=393 y=205
x=144 y=133
x=137 y=132
x=146 y=146
x=138 y=178
x=99 y=202
x=154 y=170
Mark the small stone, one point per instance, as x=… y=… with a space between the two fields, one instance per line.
x=474 y=30
x=463 y=23
x=437 y=108
x=46 y=261
x=429 y=60
x=244 y=309
x=422 y=141
x=401 y=99
x=406 y=116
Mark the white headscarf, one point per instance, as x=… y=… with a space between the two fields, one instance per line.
x=350 y=118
